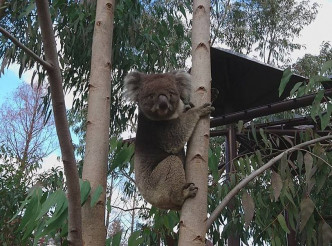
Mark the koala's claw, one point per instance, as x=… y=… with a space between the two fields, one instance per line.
x=188 y=106
x=189 y=190
x=206 y=109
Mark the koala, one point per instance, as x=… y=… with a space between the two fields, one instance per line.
x=166 y=120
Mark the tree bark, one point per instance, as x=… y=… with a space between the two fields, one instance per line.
x=194 y=211
x=61 y=124
x=98 y=119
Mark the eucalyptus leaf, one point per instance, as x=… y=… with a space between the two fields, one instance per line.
x=299 y=160
x=85 y=191
x=325 y=234
x=307 y=207
x=295 y=88
x=116 y=239
x=308 y=162
x=316 y=104
x=50 y=201
x=98 y=191
x=287 y=74
x=277 y=184
x=282 y=222
x=28 y=10
x=248 y=207
x=326 y=118
x=326 y=66
x=135 y=239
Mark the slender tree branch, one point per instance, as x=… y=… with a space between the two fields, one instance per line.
x=44 y=63
x=128 y=177
x=129 y=209
x=61 y=124
x=214 y=215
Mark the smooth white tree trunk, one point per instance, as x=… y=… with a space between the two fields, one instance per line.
x=194 y=211
x=98 y=120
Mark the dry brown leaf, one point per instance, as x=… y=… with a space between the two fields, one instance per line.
x=248 y=207
x=276 y=183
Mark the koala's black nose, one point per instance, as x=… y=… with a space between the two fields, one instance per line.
x=162 y=102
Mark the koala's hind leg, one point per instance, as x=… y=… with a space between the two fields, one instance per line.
x=171 y=186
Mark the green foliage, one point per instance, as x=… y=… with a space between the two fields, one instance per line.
x=23 y=207
x=13 y=187
x=311 y=65
x=271 y=25
x=284 y=80
x=135 y=239
x=96 y=195
x=114 y=240
x=214 y=158
x=148 y=36
x=282 y=222
x=121 y=155
x=159 y=230
x=43 y=214
x=294 y=196
x=85 y=190
x=34 y=214
x=318 y=82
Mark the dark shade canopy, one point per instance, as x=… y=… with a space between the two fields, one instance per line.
x=245 y=83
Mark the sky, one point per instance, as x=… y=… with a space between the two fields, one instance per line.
x=311 y=36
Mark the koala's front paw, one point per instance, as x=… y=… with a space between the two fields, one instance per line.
x=188 y=106
x=189 y=190
x=205 y=109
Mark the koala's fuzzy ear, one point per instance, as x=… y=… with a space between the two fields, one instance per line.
x=132 y=83
x=184 y=84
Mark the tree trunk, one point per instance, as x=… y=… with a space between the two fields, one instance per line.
x=98 y=119
x=61 y=124
x=194 y=211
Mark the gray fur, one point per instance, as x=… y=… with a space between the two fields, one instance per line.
x=131 y=84
x=184 y=83
x=163 y=129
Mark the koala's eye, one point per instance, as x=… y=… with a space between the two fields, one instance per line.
x=150 y=96
x=173 y=93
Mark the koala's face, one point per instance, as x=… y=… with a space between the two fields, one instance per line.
x=159 y=97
